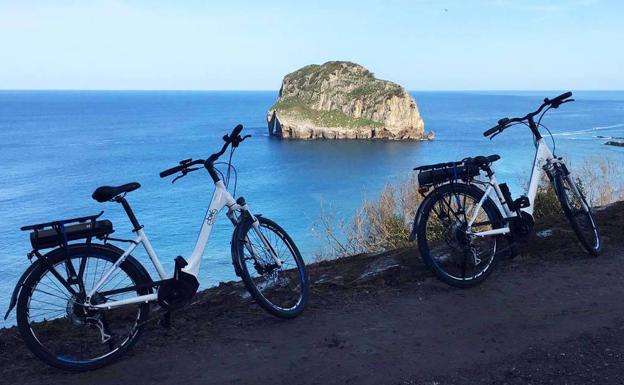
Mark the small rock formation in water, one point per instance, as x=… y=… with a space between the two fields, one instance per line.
x=615 y=143
x=343 y=100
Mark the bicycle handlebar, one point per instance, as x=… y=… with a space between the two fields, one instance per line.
x=233 y=138
x=505 y=122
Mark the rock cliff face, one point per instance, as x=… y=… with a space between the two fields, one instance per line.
x=343 y=100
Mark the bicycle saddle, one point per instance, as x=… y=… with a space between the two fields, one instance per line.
x=106 y=193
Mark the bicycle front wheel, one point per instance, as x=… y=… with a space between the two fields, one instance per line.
x=271 y=267
x=578 y=212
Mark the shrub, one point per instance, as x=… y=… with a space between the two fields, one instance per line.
x=602 y=179
x=379 y=225
x=597 y=178
x=546 y=201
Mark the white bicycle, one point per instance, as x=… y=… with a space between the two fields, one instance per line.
x=458 y=225
x=82 y=305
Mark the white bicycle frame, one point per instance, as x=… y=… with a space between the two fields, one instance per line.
x=544 y=158
x=220 y=199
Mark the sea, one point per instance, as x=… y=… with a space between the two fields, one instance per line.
x=56 y=147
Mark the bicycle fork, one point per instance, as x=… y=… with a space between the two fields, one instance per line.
x=256 y=227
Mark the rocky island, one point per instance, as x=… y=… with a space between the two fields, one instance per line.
x=343 y=100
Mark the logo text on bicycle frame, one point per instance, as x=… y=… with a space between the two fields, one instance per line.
x=211 y=217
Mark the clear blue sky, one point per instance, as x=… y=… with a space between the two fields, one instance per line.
x=238 y=45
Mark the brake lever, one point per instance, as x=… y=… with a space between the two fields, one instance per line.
x=238 y=140
x=562 y=102
x=184 y=173
x=494 y=134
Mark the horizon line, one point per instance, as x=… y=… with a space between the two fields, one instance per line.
x=277 y=90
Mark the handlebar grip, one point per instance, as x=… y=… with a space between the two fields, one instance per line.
x=560 y=98
x=171 y=171
x=492 y=130
x=236 y=131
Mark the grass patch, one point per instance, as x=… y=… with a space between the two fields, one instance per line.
x=378 y=225
x=377 y=90
x=322 y=118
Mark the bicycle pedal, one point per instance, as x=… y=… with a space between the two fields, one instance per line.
x=179 y=264
x=521 y=203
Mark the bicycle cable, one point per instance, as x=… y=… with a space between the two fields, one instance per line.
x=551 y=138
x=219 y=171
x=232 y=149
x=539 y=124
x=230 y=166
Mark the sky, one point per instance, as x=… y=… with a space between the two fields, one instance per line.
x=251 y=45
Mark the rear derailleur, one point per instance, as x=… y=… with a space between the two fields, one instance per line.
x=81 y=315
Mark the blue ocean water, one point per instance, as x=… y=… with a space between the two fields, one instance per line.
x=57 y=147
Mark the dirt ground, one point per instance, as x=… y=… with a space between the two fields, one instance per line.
x=552 y=315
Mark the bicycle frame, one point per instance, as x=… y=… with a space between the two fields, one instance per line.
x=221 y=198
x=543 y=159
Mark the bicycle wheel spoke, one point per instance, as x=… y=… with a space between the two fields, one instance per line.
x=50 y=294
x=47 y=303
x=55 y=289
x=58 y=288
x=48 y=313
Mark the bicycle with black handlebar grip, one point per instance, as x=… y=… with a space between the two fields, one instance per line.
x=462 y=222
x=83 y=304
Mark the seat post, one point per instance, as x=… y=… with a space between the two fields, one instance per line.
x=135 y=223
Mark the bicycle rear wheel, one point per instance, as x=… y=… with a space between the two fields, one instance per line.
x=62 y=332
x=444 y=241
x=280 y=290
x=578 y=212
